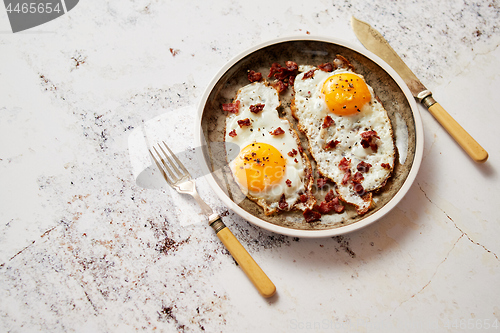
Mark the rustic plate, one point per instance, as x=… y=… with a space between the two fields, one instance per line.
x=388 y=86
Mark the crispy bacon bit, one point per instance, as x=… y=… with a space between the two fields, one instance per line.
x=288 y=183
x=335 y=200
x=369 y=134
x=291 y=66
x=321 y=182
x=174 y=51
x=385 y=166
x=311 y=216
x=277 y=131
x=275 y=68
x=295 y=160
x=332 y=144
x=358 y=188
x=338 y=208
x=280 y=86
x=254 y=76
x=257 y=108
x=344 y=164
x=231 y=107
x=368 y=139
x=284 y=75
x=308 y=74
x=327 y=122
x=363 y=166
x=244 y=122
x=347 y=177
x=326 y=67
x=303 y=198
x=341 y=62
x=357 y=178
x=330 y=196
x=232 y=133
x=292 y=153
x=282 y=204
x=326 y=207
x=281 y=73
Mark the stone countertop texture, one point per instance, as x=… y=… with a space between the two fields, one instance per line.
x=83 y=248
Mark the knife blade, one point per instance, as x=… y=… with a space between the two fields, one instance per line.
x=376 y=43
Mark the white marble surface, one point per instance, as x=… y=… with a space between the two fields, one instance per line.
x=85 y=249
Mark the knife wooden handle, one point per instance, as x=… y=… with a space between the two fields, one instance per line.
x=471 y=147
x=253 y=271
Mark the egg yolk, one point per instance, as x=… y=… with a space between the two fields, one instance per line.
x=259 y=166
x=345 y=93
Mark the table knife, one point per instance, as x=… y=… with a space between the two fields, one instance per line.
x=376 y=43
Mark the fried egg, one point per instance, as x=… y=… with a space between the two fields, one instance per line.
x=270 y=168
x=349 y=131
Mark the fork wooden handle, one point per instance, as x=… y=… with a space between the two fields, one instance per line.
x=253 y=271
x=471 y=147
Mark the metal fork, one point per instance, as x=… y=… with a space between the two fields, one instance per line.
x=178 y=177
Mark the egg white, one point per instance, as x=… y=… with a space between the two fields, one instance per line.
x=310 y=109
x=262 y=124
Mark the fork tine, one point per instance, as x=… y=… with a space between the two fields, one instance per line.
x=163 y=166
x=160 y=168
x=177 y=160
x=172 y=164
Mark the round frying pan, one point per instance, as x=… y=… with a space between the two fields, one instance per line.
x=309 y=50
